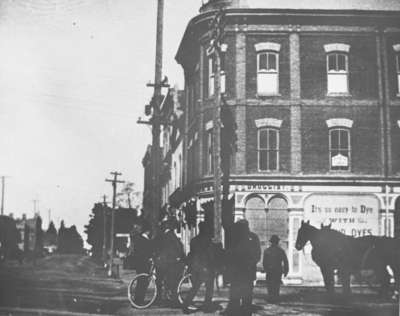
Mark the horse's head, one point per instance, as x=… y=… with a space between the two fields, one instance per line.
x=303 y=234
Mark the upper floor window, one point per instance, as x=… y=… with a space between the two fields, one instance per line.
x=339 y=144
x=209 y=147
x=267 y=68
x=268 y=144
x=397 y=50
x=337 y=66
x=212 y=69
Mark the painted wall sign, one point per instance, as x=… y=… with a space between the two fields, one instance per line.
x=355 y=215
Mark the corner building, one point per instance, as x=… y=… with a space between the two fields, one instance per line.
x=315 y=90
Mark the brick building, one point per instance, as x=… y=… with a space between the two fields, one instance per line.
x=315 y=89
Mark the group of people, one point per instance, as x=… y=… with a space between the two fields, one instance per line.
x=238 y=263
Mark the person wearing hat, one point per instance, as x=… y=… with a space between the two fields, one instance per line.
x=275 y=264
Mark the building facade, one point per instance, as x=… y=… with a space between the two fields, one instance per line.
x=315 y=91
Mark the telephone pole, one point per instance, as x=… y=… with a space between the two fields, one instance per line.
x=114 y=183
x=104 y=227
x=156 y=120
x=216 y=36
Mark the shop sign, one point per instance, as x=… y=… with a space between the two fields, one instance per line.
x=340 y=161
x=354 y=215
x=271 y=188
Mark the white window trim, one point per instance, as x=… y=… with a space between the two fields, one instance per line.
x=339 y=122
x=348 y=130
x=268 y=122
x=267 y=46
x=398 y=123
x=277 y=151
x=209 y=125
x=337 y=47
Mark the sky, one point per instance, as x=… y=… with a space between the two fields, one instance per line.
x=73 y=77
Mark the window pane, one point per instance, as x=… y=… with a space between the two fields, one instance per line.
x=398 y=63
x=263 y=139
x=342 y=62
x=332 y=62
x=272 y=61
x=344 y=139
x=273 y=142
x=338 y=83
x=222 y=62
x=262 y=61
x=263 y=160
x=334 y=139
x=273 y=160
x=267 y=83
x=211 y=65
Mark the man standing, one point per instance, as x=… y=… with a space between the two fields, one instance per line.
x=242 y=258
x=275 y=264
x=202 y=263
x=142 y=253
x=169 y=257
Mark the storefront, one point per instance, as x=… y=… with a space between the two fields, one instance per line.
x=275 y=209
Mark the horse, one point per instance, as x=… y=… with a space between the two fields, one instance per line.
x=333 y=250
x=387 y=249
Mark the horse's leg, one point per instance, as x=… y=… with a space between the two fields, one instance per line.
x=327 y=274
x=345 y=278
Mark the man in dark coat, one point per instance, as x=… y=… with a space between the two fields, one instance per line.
x=169 y=257
x=275 y=264
x=142 y=253
x=242 y=258
x=202 y=263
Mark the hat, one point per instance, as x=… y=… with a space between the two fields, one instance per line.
x=274 y=239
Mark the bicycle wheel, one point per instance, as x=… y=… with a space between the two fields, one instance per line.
x=185 y=285
x=142 y=290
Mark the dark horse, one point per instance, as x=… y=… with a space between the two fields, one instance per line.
x=332 y=250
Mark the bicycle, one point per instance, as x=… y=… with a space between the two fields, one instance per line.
x=142 y=290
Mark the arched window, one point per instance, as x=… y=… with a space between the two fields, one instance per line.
x=337 y=67
x=339 y=144
x=268 y=144
x=267 y=68
x=212 y=69
x=397 y=56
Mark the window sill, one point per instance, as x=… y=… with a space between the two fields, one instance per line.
x=272 y=95
x=338 y=95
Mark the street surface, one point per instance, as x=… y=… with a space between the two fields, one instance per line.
x=76 y=286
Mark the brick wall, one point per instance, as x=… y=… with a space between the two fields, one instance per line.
x=395 y=129
x=391 y=63
x=365 y=148
x=362 y=65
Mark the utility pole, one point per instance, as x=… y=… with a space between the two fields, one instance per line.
x=104 y=227
x=35 y=204
x=156 y=120
x=114 y=182
x=3 y=184
x=216 y=36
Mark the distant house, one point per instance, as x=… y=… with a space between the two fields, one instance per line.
x=30 y=230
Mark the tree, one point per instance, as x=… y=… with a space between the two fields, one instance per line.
x=69 y=240
x=50 y=236
x=95 y=229
x=128 y=197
